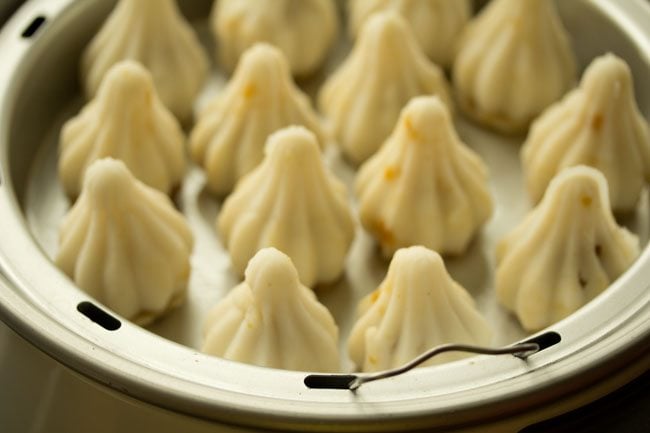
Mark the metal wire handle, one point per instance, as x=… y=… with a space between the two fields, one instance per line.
x=352 y=382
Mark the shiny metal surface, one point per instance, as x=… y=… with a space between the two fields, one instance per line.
x=38 y=88
x=353 y=382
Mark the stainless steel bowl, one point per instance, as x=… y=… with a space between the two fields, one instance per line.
x=603 y=345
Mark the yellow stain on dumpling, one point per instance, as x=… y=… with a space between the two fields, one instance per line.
x=597 y=122
x=249 y=91
x=391 y=172
x=411 y=131
x=372 y=359
x=385 y=236
x=586 y=200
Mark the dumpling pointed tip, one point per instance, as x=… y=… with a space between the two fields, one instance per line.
x=424 y=113
x=127 y=78
x=586 y=185
x=293 y=142
x=271 y=270
x=418 y=256
x=385 y=25
x=262 y=50
x=260 y=58
x=431 y=103
x=605 y=71
x=610 y=61
x=107 y=177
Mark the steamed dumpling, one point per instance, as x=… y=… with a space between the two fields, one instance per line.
x=514 y=61
x=126 y=121
x=565 y=253
x=154 y=33
x=272 y=320
x=228 y=140
x=293 y=203
x=424 y=186
x=598 y=124
x=436 y=24
x=125 y=244
x=304 y=30
x=385 y=69
x=418 y=306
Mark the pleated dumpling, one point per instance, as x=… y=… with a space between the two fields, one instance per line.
x=304 y=30
x=272 y=320
x=154 y=33
x=293 y=203
x=599 y=125
x=424 y=186
x=418 y=306
x=565 y=252
x=514 y=60
x=228 y=140
x=125 y=244
x=436 y=24
x=385 y=69
x=126 y=121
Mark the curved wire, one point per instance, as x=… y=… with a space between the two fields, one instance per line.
x=521 y=351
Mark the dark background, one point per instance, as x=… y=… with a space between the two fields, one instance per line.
x=626 y=410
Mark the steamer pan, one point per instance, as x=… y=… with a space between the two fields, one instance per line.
x=602 y=346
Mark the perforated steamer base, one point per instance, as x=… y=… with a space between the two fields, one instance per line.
x=41 y=88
